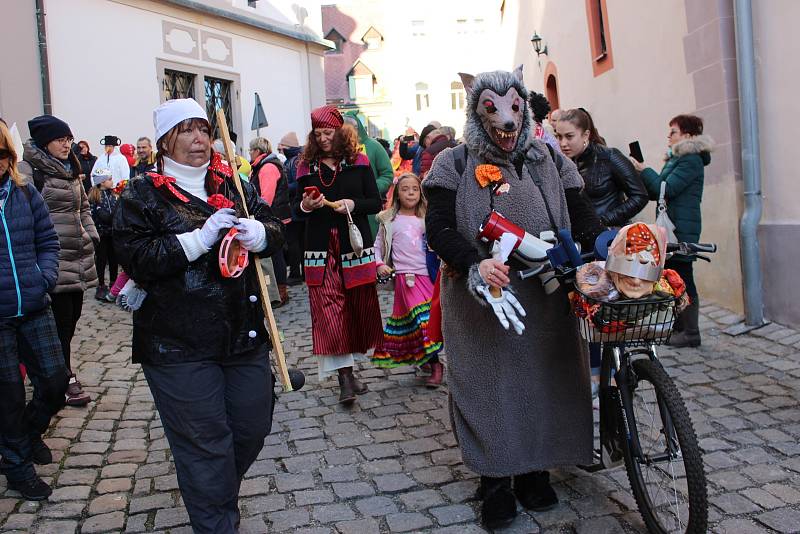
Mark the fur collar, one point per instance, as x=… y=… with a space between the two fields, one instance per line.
x=40 y=160
x=693 y=145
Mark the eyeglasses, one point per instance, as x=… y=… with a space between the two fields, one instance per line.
x=64 y=140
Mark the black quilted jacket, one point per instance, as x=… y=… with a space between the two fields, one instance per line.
x=612 y=184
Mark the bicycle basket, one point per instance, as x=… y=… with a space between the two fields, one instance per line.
x=633 y=322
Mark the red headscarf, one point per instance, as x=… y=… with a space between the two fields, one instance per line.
x=326 y=117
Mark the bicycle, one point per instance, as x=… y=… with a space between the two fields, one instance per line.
x=644 y=422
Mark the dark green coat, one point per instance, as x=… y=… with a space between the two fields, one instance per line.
x=684 y=175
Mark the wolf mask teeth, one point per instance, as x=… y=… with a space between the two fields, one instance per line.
x=497 y=115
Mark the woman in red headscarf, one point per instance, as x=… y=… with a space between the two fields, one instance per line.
x=345 y=314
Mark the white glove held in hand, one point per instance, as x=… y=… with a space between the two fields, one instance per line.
x=131 y=296
x=221 y=220
x=506 y=307
x=252 y=234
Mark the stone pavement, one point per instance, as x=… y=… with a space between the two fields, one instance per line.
x=390 y=463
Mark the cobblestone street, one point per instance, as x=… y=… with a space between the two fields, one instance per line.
x=390 y=464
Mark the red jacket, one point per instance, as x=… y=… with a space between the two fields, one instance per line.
x=438 y=144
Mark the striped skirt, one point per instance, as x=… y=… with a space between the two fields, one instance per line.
x=406 y=340
x=343 y=320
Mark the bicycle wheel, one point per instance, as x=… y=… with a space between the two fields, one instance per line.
x=669 y=488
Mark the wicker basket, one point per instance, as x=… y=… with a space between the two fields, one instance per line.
x=633 y=322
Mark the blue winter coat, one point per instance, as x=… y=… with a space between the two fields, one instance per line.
x=28 y=251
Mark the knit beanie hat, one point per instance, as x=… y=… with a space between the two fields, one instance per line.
x=46 y=128
x=326 y=117
x=173 y=112
x=425 y=131
x=290 y=140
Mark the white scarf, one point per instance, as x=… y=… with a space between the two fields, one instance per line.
x=190 y=179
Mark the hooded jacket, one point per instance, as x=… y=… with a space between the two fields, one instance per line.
x=684 y=174
x=28 y=250
x=612 y=183
x=116 y=162
x=66 y=200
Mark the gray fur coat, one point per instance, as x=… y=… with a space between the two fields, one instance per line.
x=518 y=403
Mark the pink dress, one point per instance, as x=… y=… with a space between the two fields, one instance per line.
x=405 y=337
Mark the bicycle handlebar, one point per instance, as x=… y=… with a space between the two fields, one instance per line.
x=691 y=247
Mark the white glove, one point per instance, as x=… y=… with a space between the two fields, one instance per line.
x=131 y=296
x=220 y=220
x=506 y=307
x=252 y=234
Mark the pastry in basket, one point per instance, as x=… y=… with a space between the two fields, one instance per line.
x=636 y=259
x=593 y=281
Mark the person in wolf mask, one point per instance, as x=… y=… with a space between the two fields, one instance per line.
x=520 y=404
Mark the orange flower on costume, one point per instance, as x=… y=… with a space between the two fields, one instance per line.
x=488 y=174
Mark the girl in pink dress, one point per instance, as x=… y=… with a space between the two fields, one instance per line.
x=400 y=247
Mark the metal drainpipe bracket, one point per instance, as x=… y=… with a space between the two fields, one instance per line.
x=742 y=328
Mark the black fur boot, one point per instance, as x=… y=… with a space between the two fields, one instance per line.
x=535 y=492
x=499 y=507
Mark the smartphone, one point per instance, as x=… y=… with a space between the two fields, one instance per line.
x=312 y=191
x=636 y=151
x=408 y=138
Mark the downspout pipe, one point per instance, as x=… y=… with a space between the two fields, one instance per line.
x=44 y=66
x=751 y=164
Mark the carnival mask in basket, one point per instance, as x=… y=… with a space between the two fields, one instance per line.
x=636 y=259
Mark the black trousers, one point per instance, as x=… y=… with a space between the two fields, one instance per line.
x=67 y=309
x=295 y=232
x=279 y=264
x=104 y=256
x=216 y=416
x=19 y=422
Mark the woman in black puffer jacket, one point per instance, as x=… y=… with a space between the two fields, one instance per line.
x=613 y=185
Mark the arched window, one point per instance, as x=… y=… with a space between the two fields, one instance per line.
x=458 y=97
x=423 y=97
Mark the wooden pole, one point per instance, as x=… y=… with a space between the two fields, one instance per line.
x=274 y=333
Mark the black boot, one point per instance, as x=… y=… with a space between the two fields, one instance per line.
x=690 y=335
x=346 y=393
x=499 y=508
x=34 y=489
x=40 y=452
x=535 y=492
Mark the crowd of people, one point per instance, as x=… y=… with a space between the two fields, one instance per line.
x=347 y=214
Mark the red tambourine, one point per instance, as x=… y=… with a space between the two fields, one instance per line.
x=233 y=257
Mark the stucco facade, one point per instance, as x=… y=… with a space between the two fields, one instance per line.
x=108 y=71
x=680 y=57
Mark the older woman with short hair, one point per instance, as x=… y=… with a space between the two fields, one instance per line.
x=269 y=178
x=199 y=333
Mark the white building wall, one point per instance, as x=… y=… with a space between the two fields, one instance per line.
x=105 y=78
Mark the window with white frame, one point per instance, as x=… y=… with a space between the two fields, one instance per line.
x=458 y=97
x=362 y=86
x=423 y=96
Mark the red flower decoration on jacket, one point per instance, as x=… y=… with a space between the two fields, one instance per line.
x=219 y=169
x=161 y=181
x=120 y=187
x=220 y=201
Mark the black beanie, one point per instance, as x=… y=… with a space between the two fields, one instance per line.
x=46 y=128
x=425 y=131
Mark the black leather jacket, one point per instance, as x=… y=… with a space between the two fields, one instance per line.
x=190 y=313
x=612 y=184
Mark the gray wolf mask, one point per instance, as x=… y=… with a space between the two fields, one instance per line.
x=498 y=121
